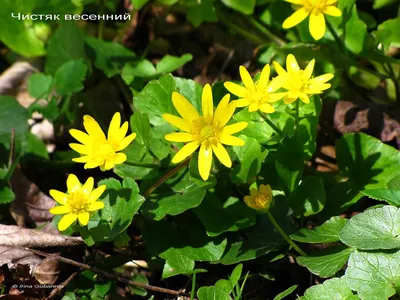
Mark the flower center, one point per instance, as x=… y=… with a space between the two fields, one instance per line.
x=318 y=5
x=77 y=202
x=297 y=81
x=106 y=151
x=260 y=201
x=208 y=132
x=205 y=132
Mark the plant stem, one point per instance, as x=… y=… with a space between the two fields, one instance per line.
x=193 y=286
x=392 y=75
x=165 y=178
x=143 y=165
x=266 y=32
x=297 y=117
x=334 y=34
x=284 y=235
x=271 y=124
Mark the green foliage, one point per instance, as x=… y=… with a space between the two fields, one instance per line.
x=335 y=288
x=69 y=77
x=178 y=264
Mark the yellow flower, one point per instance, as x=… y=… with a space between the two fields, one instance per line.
x=78 y=203
x=96 y=149
x=208 y=131
x=316 y=9
x=260 y=199
x=259 y=95
x=299 y=83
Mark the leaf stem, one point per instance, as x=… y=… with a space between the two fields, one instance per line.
x=166 y=177
x=192 y=292
x=284 y=235
x=271 y=124
x=297 y=117
x=334 y=34
x=268 y=33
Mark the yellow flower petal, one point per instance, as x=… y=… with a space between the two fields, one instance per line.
x=281 y=71
x=275 y=97
x=234 y=128
x=93 y=128
x=222 y=155
x=184 y=107
x=88 y=186
x=179 y=123
x=297 y=17
x=253 y=106
x=66 y=221
x=264 y=77
x=224 y=111
x=267 y=108
x=246 y=78
x=96 y=193
x=114 y=125
x=96 y=206
x=288 y=100
x=291 y=64
x=299 y=2
x=60 y=197
x=205 y=160
x=332 y=11
x=186 y=150
x=73 y=183
x=59 y=210
x=265 y=190
x=253 y=192
x=82 y=149
x=308 y=71
x=323 y=78
x=82 y=159
x=207 y=103
x=92 y=164
x=231 y=140
x=236 y=89
x=276 y=83
x=80 y=136
x=179 y=137
x=242 y=102
x=317 y=24
x=120 y=133
x=83 y=218
x=126 y=141
x=303 y=97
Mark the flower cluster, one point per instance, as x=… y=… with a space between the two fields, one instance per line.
x=316 y=9
x=210 y=131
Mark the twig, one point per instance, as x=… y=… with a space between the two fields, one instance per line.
x=226 y=62
x=55 y=291
x=165 y=178
x=108 y=275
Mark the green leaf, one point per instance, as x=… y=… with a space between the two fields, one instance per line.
x=6 y=194
x=286 y=292
x=326 y=263
x=250 y=156
x=40 y=85
x=218 y=217
x=50 y=111
x=212 y=293
x=141 y=68
x=374 y=275
x=110 y=57
x=376 y=228
x=245 y=7
x=66 y=44
x=70 y=76
x=177 y=264
x=356 y=31
x=140 y=125
x=290 y=163
x=184 y=238
x=155 y=99
x=256 y=127
x=139 y=290
x=335 y=288
x=175 y=204
x=326 y=233
x=138 y=4
x=390 y=196
x=308 y=198
x=229 y=285
x=170 y=63
x=18 y=35
x=202 y=12
x=368 y=163
x=382 y=3
x=388 y=33
x=12 y=115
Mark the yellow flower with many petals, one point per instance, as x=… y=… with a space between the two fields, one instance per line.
x=260 y=199
x=78 y=203
x=209 y=131
x=299 y=83
x=258 y=95
x=96 y=149
x=316 y=9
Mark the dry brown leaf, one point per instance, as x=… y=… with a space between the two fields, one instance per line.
x=14 y=76
x=14 y=236
x=47 y=271
x=31 y=206
x=14 y=256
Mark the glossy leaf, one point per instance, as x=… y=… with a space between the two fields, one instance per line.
x=177 y=264
x=335 y=288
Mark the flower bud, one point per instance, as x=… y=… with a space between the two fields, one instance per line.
x=261 y=199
